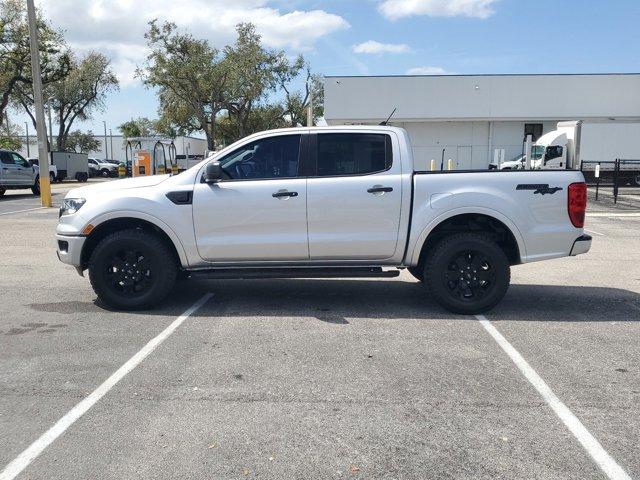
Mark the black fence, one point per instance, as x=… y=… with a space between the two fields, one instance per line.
x=616 y=174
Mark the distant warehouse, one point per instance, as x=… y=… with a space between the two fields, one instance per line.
x=476 y=118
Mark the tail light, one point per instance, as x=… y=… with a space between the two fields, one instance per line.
x=577 y=203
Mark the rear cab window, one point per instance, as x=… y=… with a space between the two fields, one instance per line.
x=343 y=154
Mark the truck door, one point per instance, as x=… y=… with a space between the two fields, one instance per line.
x=25 y=172
x=354 y=199
x=259 y=211
x=10 y=172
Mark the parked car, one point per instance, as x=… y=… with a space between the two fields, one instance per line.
x=324 y=202
x=102 y=168
x=17 y=173
x=53 y=170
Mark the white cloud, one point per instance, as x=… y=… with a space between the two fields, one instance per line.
x=428 y=71
x=373 y=47
x=395 y=9
x=116 y=27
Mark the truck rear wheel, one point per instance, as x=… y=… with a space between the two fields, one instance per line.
x=467 y=273
x=2 y=191
x=132 y=269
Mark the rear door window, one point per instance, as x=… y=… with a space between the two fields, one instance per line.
x=341 y=154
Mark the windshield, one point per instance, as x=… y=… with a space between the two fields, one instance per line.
x=537 y=151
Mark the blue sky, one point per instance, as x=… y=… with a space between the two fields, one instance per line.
x=367 y=37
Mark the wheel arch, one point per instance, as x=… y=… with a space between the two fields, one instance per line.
x=116 y=221
x=460 y=220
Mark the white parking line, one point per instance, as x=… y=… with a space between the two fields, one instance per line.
x=599 y=455
x=613 y=214
x=595 y=233
x=36 y=448
x=25 y=210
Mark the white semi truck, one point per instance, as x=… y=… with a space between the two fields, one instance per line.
x=579 y=144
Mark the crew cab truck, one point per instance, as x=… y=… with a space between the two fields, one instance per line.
x=17 y=173
x=321 y=202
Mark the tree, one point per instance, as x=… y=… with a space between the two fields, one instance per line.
x=140 y=127
x=15 y=56
x=191 y=78
x=296 y=103
x=254 y=73
x=82 y=142
x=78 y=95
x=10 y=135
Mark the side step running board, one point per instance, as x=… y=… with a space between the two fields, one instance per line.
x=297 y=272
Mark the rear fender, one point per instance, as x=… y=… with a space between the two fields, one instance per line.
x=413 y=257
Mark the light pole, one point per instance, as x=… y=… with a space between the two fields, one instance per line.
x=111 y=143
x=106 y=150
x=43 y=161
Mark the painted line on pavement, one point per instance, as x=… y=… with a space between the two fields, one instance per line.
x=617 y=214
x=25 y=210
x=595 y=233
x=599 y=455
x=14 y=468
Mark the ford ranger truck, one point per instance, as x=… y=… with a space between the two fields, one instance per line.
x=318 y=203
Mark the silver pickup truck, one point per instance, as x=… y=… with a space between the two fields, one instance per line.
x=16 y=173
x=322 y=202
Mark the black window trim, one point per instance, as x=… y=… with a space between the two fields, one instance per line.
x=313 y=154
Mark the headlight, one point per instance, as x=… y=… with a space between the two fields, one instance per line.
x=71 y=205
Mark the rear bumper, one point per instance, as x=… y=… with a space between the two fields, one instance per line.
x=581 y=245
x=70 y=249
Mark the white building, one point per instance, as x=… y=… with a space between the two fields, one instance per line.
x=116 y=145
x=473 y=117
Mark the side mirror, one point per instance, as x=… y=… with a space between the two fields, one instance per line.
x=212 y=172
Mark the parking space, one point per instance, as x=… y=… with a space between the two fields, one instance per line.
x=321 y=378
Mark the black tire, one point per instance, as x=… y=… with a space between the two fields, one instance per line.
x=635 y=180
x=82 y=177
x=2 y=191
x=417 y=272
x=133 y=288
x=36 y=186
x=105 y=173
x=52 y=177
x=467 y=273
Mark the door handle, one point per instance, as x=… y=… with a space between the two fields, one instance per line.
x=284 y=194
x=377 y=189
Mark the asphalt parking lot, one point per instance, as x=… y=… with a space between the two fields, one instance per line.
x=312 y=379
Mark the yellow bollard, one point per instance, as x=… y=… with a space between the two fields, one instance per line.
x=433 y=164
x=450 y=165
x=174 y=169
x=160 y=170
x=122 y=171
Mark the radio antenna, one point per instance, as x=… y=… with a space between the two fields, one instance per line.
x=389 y=117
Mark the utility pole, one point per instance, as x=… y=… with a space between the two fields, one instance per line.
x=43 y=161
x=106 y=150
x=111 y=143
x=50 y=126
x=26 y=129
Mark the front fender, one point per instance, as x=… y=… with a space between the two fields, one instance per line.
x=175 y=239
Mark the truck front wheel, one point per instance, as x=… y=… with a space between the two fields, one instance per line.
x=132 y=269
x=467 y=273
x=35 y=189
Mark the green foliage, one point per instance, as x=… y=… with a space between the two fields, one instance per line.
x=76 y=96
x=80 y=142
x=225 y=93
x=143 y=127
x=15 y=55
x=10 y=143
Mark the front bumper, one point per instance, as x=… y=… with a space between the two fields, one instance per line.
x=581 y=245
x=70 y=249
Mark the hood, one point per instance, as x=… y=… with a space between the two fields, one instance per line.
x=110 y=186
